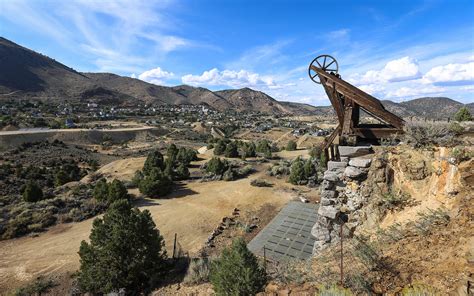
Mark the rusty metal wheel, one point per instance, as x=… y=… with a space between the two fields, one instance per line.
x=324 y=62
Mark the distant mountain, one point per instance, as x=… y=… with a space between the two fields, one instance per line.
x=429 y=107
x=27 y=74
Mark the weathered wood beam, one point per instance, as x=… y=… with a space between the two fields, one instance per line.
x=363 y=99
x=331 y=137
x=335 y=101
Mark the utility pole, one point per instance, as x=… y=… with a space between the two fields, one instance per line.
x=342 y=260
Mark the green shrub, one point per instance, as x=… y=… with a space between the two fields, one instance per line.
x=463 y=115
x=461 y=154
x=310 y=169
x=316 y=152
x=237 y=272
x=117 y=191
x=456 y=128
x=260 y=183
x=198 y=271
x=419 y=290
x=126 y=251
x=333 y=291
x=220 y=147
x=291 y=146
x=231 y=150
x=392 y=201
x=182 y=172
x=137 y=178
x=38 y=287
x=248 y=149
x=32 y=192
x=297 y=172
x=229 y=175
x=216 y=166
x=421 y=134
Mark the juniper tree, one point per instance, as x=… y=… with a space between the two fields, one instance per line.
x=237 y=271
x=153 y=160
x=126 y=251
x=155 y=184
x=291 y=146
x=32 y=192
x=297 y=173
x=463 y=115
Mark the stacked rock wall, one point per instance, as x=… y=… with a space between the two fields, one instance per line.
x=341 y=196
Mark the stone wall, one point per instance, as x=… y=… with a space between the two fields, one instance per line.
x=342 y=195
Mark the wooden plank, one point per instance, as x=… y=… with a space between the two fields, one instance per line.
x=375 y=133
x=331 y=137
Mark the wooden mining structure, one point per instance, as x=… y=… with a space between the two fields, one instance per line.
x=347 y=101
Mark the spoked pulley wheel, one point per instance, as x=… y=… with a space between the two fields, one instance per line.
x=324 y=62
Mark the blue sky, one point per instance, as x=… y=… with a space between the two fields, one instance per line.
x=396 y=50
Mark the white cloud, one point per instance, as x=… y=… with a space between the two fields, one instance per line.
x=155 y=76
x=408 y=91
x=235 y=79
x=402 y=69
x=450 y=74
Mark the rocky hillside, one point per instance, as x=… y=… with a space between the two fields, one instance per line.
x=28 y=74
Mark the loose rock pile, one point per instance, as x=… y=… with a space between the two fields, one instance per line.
x=340 y=196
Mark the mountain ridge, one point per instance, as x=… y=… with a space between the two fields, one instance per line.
x=25 y=73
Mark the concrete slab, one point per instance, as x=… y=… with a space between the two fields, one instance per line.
x=288 y=235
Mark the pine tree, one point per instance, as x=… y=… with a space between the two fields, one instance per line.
x=101 y=190
x=237 y=271
x=153 y=160
x=32 y=192
x=126 y=251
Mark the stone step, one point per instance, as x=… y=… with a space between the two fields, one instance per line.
x=353 y=151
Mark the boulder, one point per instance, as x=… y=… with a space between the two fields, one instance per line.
x=353 y=151
x=326 y=185
x=336 y=166
x=320 y=233
x=328 y=194
x=353 y=172
x=360 y=162
x=330 y=176
x=328 y=211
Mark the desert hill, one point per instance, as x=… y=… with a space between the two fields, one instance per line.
x=25 y=73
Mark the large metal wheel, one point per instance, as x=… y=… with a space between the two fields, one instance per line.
x=324 y=62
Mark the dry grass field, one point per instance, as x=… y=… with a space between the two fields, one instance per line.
x=192 y=211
